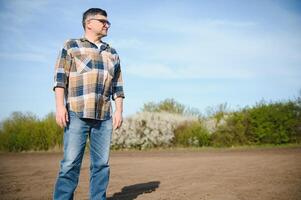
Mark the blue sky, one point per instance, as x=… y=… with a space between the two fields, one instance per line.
x=201 y=53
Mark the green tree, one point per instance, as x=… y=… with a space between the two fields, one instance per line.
x=171 y=106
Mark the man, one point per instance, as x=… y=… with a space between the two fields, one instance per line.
x=87 y=75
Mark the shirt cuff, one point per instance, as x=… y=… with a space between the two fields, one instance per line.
x=118 y=94
x=59 y=84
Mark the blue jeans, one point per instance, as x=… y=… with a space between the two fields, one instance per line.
x=75 y=137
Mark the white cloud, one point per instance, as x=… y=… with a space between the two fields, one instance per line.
x=212 y=48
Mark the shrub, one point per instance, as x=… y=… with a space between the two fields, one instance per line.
x=49 y=135
x=192 y=134
x=232 y=132
x=275 y=123
x=171 y=106
x=265 y=123
x=17 y=132
x=24 y=132
x=147 y=129
x=169 y=123
x=168 y=105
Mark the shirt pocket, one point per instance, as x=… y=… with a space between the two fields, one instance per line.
x=111 y=62
x=83 y=63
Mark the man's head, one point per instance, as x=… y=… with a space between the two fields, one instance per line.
x=95 y=21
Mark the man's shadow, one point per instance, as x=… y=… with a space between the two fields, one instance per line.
x=133 y=191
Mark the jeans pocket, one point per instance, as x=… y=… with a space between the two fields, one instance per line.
x=71 y=116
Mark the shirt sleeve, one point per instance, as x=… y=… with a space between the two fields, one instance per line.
x=117 y=82
x=62 y=69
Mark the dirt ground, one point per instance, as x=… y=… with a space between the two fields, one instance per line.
x=210 y=174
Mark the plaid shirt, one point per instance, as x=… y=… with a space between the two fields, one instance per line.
x=90 y=76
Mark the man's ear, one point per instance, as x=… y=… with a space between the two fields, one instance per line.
x=88 y=24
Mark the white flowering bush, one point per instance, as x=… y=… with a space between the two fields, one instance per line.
x=148 y=129
x=212 y=123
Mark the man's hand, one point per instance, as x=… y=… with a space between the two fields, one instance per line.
x=61 y=116
x=61 y=111
x=117 y=119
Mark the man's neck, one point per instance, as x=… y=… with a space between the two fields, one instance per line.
x=93 y=38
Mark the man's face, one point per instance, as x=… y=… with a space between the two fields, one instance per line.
x=98 y=24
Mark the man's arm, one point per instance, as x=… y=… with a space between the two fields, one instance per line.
x=61 y=111
x=117 y=118
x=62 y=68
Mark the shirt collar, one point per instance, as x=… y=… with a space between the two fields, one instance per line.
x=103 y=46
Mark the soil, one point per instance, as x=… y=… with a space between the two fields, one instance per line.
x=176 y=174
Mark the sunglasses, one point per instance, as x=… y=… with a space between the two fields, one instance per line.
x=103 y=21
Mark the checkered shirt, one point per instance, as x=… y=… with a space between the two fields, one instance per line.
x=91 y=76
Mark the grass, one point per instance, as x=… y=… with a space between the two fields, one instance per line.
x=179 y=148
